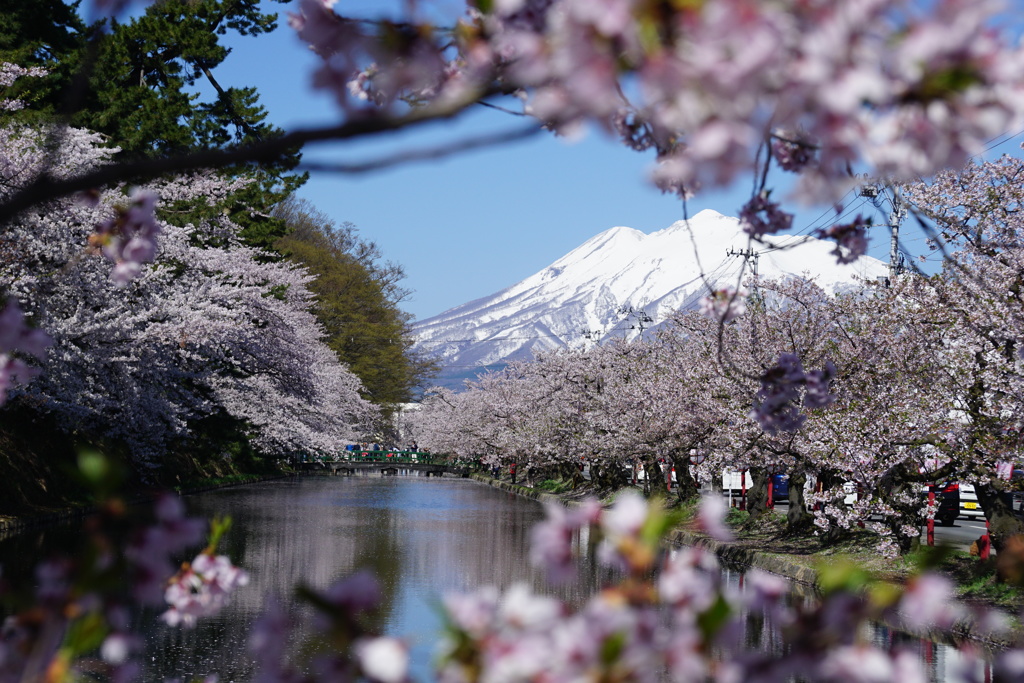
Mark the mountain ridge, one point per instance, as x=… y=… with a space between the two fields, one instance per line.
x=605 y=286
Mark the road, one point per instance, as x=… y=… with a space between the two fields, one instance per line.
x=961 y=535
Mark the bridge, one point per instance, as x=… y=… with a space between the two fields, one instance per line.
x=388 y=463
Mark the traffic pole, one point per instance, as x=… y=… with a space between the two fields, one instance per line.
x=984 y=544
x=931 y=520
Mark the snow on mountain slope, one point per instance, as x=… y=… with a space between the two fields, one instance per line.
x=606 y=285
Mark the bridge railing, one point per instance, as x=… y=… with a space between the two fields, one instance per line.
x=403 y=457
x=392 y=457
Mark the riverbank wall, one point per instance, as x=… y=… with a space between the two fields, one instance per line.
x=807 y=577
x=732 y=554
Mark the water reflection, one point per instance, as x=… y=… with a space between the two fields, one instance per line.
x=943 y=662
x=420 y=536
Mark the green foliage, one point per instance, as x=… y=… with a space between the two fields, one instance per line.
x=218 y=527
x=612 y=648
x=220 y=445
x=45 y=33
x=141 y=71
x=137 y=83
x=554 y=486
x=736 y=517
x=660 y=520
x=839 y=575
x=100 y=473
x=711 y=620
x=357 y=300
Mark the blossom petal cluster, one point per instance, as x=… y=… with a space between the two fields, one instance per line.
x=17 y=337
x=851 y=239
x=202 y=588
x=153 y=551
x=725 y=304
x=129 y=238
x=205 y=328
x=683 y=624
x=776 y=406
x=891 y=86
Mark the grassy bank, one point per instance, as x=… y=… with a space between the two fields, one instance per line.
x=766 y=542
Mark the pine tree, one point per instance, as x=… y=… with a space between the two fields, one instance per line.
x=135 y=82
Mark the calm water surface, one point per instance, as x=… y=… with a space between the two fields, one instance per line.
x=420 y=536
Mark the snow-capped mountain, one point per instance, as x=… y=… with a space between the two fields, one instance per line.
x=616 y=283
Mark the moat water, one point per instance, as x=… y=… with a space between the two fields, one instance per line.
x=422 y=537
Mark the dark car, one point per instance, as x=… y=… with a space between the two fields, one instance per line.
x=947 y=500
x=780 y=487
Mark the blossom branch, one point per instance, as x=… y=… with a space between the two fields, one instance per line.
x=429 y=153
x=46 y=187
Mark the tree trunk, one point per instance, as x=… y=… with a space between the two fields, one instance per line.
x=653 y=478
x=1002 y=522
x=609 y=475
x=571 y=472
x=757 y=494
x=686 y=486
x=891 y=487
x=829 y=480
x=798 y=518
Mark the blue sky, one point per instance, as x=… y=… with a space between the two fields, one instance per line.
x=473 y=224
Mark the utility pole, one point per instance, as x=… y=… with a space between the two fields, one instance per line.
x=641 y=317
x=896 y=217
x=749 y=255
x=593 y=335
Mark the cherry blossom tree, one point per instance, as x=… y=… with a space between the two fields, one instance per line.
x=972 y=215
x=851 y=432
x=699 y=389
x=900 y=90
x=149 y=340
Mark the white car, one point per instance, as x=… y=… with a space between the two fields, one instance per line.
x=734 y=480
x=969 y=505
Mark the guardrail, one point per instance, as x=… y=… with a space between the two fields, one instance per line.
x=403 y=457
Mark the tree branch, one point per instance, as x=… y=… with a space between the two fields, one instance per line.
x=429 y=153
x=47 y=187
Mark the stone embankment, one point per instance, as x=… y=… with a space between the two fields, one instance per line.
x=732 y=554
x=776 y=564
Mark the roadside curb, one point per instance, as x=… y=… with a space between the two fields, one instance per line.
x=525 y=491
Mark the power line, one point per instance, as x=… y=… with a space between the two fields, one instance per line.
x=489 y=339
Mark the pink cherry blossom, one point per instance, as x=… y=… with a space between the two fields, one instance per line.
x=383 y=659
x=760 y=217
x=725 y=304
x=711 y=518
x=201 y=589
